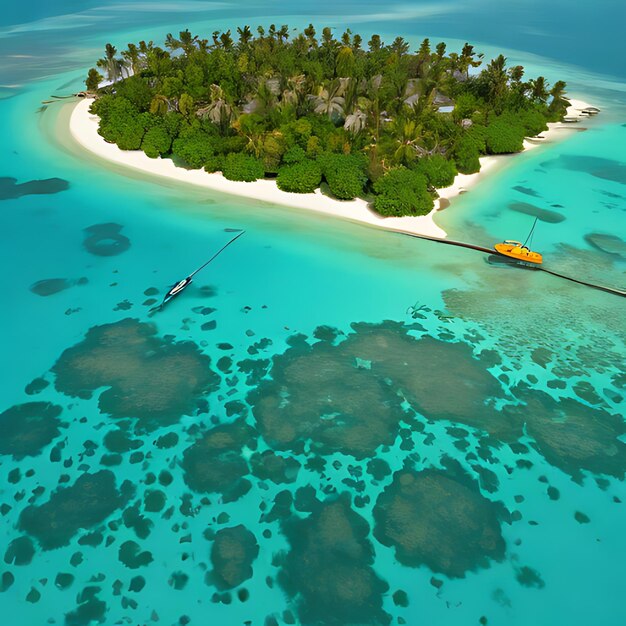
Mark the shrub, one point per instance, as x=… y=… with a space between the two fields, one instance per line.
x=344 y=173
x=194 y=147
x=504 y=138
x=136 y=90
x=156 y=142
x=214 y=164
x=533 y=121
x=242 y=167
x=402 y=192
x=295 y=154
x=273 y=148
x=94 y=78
x=466 y=156
x=438 y=170
x=120 y=122
x=225 y=145
x=313 y=147
x=478 y=135
x=303 y=177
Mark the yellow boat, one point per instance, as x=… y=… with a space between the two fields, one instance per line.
x=519 y=251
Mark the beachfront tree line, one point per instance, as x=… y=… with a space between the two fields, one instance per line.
x=362 y=119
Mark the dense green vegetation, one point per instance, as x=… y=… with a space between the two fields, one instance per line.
x=375 y=119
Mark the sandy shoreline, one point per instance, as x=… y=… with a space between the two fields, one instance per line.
x=84 y=130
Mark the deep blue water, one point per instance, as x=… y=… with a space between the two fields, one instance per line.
x=332 y=344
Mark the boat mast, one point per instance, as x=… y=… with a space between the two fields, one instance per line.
x=530 y=234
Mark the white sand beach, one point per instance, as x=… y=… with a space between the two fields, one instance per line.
x=84 y=130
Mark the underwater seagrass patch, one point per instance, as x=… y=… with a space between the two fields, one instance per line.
x=214 y=463
x=439 y=518
x=105 y=239
x=573 y=436
x=348 y=397
x=25 y=429
x=232 y=555
x=155 y=380
x=328 y=571
x=11 y=189
x=86 y=503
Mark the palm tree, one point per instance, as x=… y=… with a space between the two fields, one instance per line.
x=467 y=59
x=111 y=65
x=309 y=33
x=539 y=90
x=296 y=90
x=372 y=103
x=132 y=59
x=356 y=122
x=145 y=48
x=283 y=33
x=160 y=105
x=559 y=101
x=158 y=62
x=219 y=110
x=226 y=40
x=496 y=80
x=188 y=41
x=408 y=134
x=245 y=36
x=399 y=46
x=329 y=100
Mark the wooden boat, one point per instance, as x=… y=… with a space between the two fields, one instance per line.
x=520 y=251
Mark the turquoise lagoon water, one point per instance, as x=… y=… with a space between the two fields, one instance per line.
x=448 y=435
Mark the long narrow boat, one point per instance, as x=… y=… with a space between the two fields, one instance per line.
x=185 y=282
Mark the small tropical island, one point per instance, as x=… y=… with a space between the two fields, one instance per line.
x=311 y=112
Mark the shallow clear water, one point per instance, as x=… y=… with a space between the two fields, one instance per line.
x=362 y=358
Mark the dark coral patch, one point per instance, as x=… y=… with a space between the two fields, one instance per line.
x=50 y=286
x=328 y=570
x=153 y=379
x=232 y=554
x=545 y=215
x=607 y=169
x=527 y=190
x=320 y=393
x=90 y=609
x=348 y=397
x=35 y=386
x=611 y=244
x=10 y=188
x=105 y=240
x=214 y=463
x=424 y=370
x=25 y=429
x=89 y=501
x=131 y=555
x=20 y=551
x=439 y=518
x=271 y=466
x=573 y=436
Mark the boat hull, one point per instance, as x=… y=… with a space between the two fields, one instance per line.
x=519 y=253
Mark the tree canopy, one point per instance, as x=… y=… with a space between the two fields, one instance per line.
x=309 y=108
